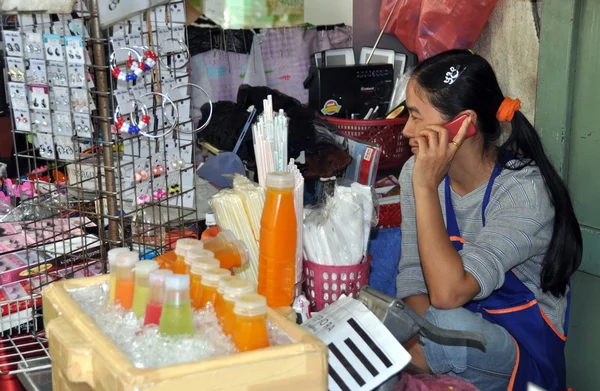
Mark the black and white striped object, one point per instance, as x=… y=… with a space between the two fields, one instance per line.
x=362 y=352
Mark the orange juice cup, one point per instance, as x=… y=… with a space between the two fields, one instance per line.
x=198 y=267
x=181 y=248
x=234 y=290
x=125 y=283
x=219 y=300
x=195 y=254
x=210 y=283
x=228 y=250
x=250 y=323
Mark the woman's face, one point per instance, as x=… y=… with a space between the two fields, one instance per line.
x=421 y=114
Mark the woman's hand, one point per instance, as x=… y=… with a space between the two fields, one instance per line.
x=435 y=155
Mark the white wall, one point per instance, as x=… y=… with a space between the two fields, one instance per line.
x=323 y=12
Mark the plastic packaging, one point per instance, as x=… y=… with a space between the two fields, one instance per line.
x=181 y=248
x=210 y=283
x=277 y=254
x=219 y=299
x=176 y=316
x=196 y=254
x=240 y=14
x=228 y=250
x=250 y=324
x=233 y=291
x=429 y=27
x=156 y=280
x=125 y=283
x=198 y=267
x=113 y=256
x=142 y=286
x=212 y=229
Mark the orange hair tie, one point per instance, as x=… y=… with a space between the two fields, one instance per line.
x=507 y=109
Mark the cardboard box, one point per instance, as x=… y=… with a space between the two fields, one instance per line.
x=84 y=358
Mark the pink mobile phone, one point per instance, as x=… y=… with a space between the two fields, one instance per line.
x=454 y=126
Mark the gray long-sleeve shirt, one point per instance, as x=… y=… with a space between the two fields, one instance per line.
x=516 y=236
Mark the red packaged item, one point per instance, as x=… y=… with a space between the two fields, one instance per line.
x=429 y=27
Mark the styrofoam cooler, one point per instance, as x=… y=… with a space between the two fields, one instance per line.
x=85 y=358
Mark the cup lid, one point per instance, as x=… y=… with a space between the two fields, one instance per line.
x=185 y=244
x=128 y=259
x=243 y=250
x=250 y=304
x=145 y=267
x=211 y=277
x=177 y=282
x=280 y=180
x=237 y=288
x=113 y=254
x=197 y=253
x=157 y=277
x=224 y=281
x=206 y=263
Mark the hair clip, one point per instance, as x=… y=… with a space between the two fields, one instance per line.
x=159 y=194
x=158 y=170
x=143 y=199
x=178 y=164
x=453 y=74
x=174 y=189
x=141 y=176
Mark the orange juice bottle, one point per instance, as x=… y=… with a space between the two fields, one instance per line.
x=181 y=248
x=219 y=300
x=228 y=250
x=233 y=291
x=125 y=284
x=195 y=254
x=113 y=256
x=277 y=251
x=210 y=283
x=250 y=323
x=198 y=267
x=211 y=227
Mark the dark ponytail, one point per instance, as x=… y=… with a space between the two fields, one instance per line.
x=565 y=251
x=477 y=89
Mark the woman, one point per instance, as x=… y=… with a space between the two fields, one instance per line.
x=489 y=235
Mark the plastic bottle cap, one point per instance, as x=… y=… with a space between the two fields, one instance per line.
x=243 y=250
x=211 y=277
x=183 y=245
x=177 y=282
x=210 y=219
x=250 y=305
x=237 y=288
x=280 y=180
x=201 y=265
x=194 y=254
x=145 y=267
x=114 y=254
x=128 y=259
x=157 y=277
x=224 y=281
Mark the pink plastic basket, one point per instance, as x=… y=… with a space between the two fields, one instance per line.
x=324 y=284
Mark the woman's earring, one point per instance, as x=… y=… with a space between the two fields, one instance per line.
x=44 y=103
x=35 y=103
x=57 y=52
x=10 y=47
x=17 y=47
x=49 y=51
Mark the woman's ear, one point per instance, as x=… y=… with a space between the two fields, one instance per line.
x=471 y=114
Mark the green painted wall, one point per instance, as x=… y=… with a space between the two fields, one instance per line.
x=567 y=119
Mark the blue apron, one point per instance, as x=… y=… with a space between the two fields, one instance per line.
x=540 y=348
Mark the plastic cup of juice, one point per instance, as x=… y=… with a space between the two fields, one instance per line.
x=219 y=300
x=194 y=254
x=198 y=267
x=112 y=256
x=228 y=250
x=210 y=283
x=182 y=246
x=176 y=315
x=156 y=296
x=234 y=290
x=142 y=286
x=250 y=323
x=125 y=283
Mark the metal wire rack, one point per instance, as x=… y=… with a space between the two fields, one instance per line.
x=86 y=186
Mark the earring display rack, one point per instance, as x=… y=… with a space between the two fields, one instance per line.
x=103 y=135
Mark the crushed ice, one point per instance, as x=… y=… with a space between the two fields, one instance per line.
x=146 y=347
